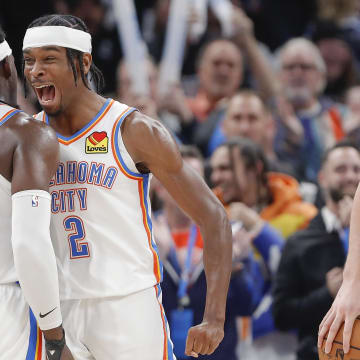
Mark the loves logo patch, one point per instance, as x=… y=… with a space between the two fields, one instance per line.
x=97 y=143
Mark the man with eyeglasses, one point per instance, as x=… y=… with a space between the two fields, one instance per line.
x=308 y=122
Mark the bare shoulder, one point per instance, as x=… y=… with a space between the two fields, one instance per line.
x=138 y=125
x=31 y=132
x=149 y=142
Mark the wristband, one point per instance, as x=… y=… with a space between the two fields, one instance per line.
x=54 y=348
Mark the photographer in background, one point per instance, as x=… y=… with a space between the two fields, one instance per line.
x=310 y=271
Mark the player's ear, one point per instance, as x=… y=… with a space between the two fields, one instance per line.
x=87 y=60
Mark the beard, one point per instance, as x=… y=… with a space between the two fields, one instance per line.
x=338 y=193
x=298 y=96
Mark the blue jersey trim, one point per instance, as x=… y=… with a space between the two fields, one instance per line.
x=68 y=138
x=117 y=149
x=3 y=121
x=32 y=338
x=153 y=243
x=170 y=348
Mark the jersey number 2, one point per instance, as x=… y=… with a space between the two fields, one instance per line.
x=78 y=248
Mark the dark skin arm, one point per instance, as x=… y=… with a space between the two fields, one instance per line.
x=34 y=149
x=35 y=156
x=152 y=147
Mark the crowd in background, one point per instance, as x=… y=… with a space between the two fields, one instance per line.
x=270 y=118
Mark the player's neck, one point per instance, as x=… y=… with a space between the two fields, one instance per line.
x=3 y=101
x=77 y=114
x=6 y=96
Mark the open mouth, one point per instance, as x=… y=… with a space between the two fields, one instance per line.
x=45 y=93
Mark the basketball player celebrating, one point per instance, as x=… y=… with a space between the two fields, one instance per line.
x=346 y=306
x=109 y=269
x=28 y=159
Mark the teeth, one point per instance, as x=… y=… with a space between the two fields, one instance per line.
x=42 y=86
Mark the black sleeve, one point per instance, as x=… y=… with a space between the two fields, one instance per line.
x=292 y=309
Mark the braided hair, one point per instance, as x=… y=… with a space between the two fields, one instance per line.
x=72 y=54
x=251 y=153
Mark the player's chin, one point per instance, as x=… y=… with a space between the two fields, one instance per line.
x=51 y=110
x=51 y=107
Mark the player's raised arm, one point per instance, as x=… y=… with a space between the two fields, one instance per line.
x=346 y=306
x=35 y=160
x=152 y=148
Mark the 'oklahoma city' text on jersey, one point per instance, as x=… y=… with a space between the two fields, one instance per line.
x=101 y=218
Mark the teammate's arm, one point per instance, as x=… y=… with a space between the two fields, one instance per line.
x=152 y=147
x=35 y=160
x=346 y=306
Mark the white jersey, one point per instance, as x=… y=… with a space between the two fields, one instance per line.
x=101 y=221
x=7 y=267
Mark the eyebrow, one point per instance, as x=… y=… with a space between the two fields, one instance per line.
x=46 y=48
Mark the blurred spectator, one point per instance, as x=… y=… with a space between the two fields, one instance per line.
x=308 y=123
x=352 y=100
x=220 y=74
x=156 y=34
x=157 y=29
x=151 y=105
x=241 y=175
x=310 y=271
x=181 y=246
x=146 y=104
x=276 y=21
x=341 y=66
x=336 y=10
x=247 y=116
x=345 y=14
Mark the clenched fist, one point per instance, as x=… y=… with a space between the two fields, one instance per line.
x=204 y=338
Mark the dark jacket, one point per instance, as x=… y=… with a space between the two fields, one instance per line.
x=301 y=297
x=239 y=303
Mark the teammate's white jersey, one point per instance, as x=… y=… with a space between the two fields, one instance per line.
x=101 y=221
x=7 y=267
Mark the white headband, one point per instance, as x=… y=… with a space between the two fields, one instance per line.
x=59 y=36
x=5 y=50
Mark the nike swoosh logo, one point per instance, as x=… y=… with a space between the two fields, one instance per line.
x=43 y=315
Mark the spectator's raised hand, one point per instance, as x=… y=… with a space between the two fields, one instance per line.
x=174 y=101
x=242 y=240
x=250 y=219
x=287 y=116
x=243 y=27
